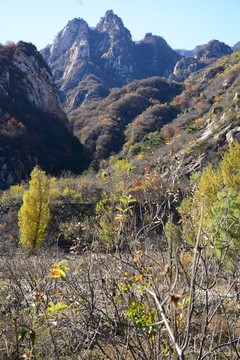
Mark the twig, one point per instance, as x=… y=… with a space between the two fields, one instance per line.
x=174 y=341
x=235 y=341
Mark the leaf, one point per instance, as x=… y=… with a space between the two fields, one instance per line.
x=63 y=262
x=58 y=307
x=118 y=217
x=27 y=331
x=58 y=270
x=138 y=278
x=121 y=210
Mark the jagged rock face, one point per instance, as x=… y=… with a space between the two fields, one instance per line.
x=185 y=67
x=70 y=46
x=202 y=56
x=33 y=126
x=28 y=76
x=69 y=57
x=87 y=62
x=114 y=47
x=157 y=57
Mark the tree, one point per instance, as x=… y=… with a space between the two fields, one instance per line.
x=34 y=214
x=217 y=192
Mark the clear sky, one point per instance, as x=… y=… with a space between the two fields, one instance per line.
x=182 y=23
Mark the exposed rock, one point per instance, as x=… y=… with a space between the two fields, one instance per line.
x=36 y=80
x=114 y=47
x=33 y=126
x=213 y=50
x=202 y=56
x=86 y=62
x=185 y=67
x=236 y=46
x=155 y=56
x=233 y=134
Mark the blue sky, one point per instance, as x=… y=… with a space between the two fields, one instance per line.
x=182 y=23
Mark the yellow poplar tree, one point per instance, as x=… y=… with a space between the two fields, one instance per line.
x=34 y=215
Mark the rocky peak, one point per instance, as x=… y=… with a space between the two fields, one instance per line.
x=111 y=24
x=236 y=46
x=149 y=38
x=157 y=57
x=70 y=46
x=87 y=62
x=116 y=54
x=213 y=50
x=202 y=56
x=72 y=36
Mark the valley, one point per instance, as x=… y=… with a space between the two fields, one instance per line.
x=119 y=197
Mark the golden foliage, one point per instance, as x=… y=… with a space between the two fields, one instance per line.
x=34 y=214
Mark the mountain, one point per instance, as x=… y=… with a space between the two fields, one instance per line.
x=87 y=62
x=212 y=50
x=189 y=53
x=193 y=121
x=120 y=96
x=236 y=46
x=103 y=126
x=199 y=58
x=33 y=126
x=209 y=119
x=111 y=87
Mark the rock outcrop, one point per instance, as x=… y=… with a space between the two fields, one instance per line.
x=236 y=46
x=33 y=126
x=213 y=50
x=201 y=57
x=86 y=62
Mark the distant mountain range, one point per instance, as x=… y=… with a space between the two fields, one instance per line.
x=95 y=91
x=86 y=62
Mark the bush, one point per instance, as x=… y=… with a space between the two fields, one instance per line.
x=217 y=198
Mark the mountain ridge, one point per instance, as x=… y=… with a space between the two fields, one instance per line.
x=108 y=112
x=111 y=58
x=88 y=61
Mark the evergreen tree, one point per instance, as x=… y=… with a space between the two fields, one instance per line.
x=34 y=214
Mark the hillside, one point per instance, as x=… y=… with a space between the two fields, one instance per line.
x=145 y=140
x=112 y=87
x=135 y=118
x=199 y=58
x=104 y=126
x=197 y=117
x=137 y=257
x=33 y=126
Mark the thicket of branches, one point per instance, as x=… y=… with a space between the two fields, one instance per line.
x=150 y=276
